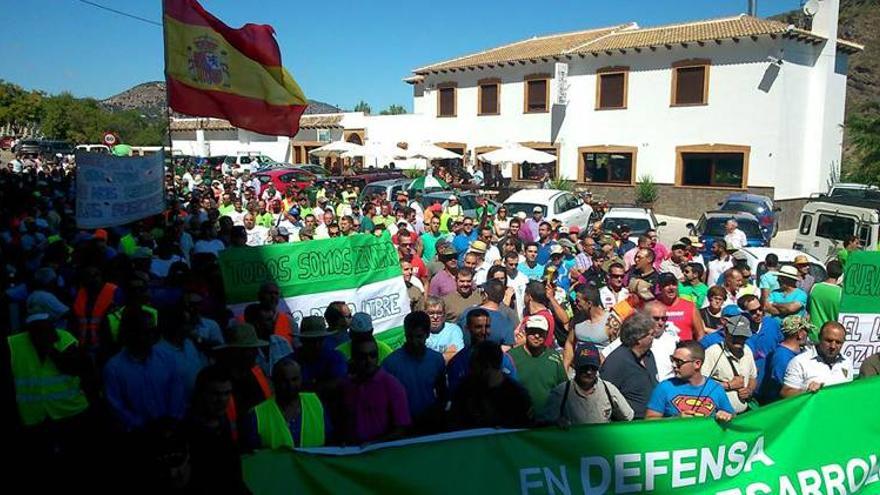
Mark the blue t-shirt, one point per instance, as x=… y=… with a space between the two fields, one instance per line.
x=563 y=279
x=331 y=364
x=459 y=365
x=769 y=281
x=419 y=376
x=500 y=327
x=449 y=335
x=797 y=295
x=777 y=363
x=462 y=242
x=673 y=396
x=531 y=273
x=544 y=252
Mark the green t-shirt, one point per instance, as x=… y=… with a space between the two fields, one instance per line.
x=539 y=375
x=384 y=350
x=694 y=293
x=824 y=305
x=226 y=210
x=429 y=243
x=842 y=256
x=366 y=224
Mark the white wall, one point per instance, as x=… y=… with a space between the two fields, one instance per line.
x=231 y=142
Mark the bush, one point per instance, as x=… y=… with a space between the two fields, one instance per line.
x=646 y=190
x=561 y=184
x=413 y=173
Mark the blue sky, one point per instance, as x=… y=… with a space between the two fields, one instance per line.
x=340 y=51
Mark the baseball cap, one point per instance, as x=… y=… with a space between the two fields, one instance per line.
x=791 y=324
x=738 y=326
x=678 y=245
x=36 y=317
x=566 y=243
x=453 y=197
x=537 y=321
x=282 y=231
x=537 y=209
x=556 y=249
x=361 y=323
x=586 y=354
x=696 y=242
x=447 y=250
x=563 y=230
x=730 y=311
x=574 y=229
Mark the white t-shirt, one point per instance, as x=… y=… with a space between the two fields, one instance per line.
x=808 y=367
x=717 y=365
x=737 y=238
x=257 y=235
x=610 y=298
x=237 y=217
x=716 y=269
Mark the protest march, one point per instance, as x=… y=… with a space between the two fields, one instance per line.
x=175 y=324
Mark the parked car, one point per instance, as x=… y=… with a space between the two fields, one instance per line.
x=825 y=225
x=102 y=149
x=557 y=205
x=755 y=257
x=319 y=171
x=387 y=188
x=467 y=200
x=284 y=178
x=710 y=229
x=851 y=190
x=760 y=206
x=28 y=147
x=50 y=148
x=639 y=220
x=6 y=142
x=252 y=162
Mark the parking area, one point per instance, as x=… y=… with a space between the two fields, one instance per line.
x=676 y=229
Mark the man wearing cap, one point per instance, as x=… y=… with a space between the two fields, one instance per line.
x=443 y=282
x=622 y=243
x=795 y=331
x=732 y=364
x=689 y=393
x=452 y=208
x=734 y=236
x=788 y=299
x=682 y=314
x=587 y=398
x=675 y=262
x=631 y=367
x=721 y=263
x=819 y=365
x=43 y=300
x=539 y=368
x=475 y=260
x=534 y=222
x=361 y=328
x=695 y=249
x=421 y=371
x=322 y=366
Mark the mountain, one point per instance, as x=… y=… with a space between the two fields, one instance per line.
x=149 y=99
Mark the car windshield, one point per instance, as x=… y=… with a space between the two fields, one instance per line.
x=754 y=208
x=371 y=190
x=715 y=227
x=855 y=193
x=528 y=208
x=638 y=226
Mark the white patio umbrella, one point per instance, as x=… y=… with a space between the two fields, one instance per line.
x=516 y=153
x=375 y=150
x=429 y=151
x=336 y=148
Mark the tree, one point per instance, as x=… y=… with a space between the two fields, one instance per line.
x=393 y=110
x=363 y=106
x=864 y=133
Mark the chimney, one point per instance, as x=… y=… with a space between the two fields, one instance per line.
x=826 y=18
x=753 y=8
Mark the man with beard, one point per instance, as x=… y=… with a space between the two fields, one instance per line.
x=796 y=330
x=682 y=313
x=464 y=296
x=820 y=365
x=478 y=327
x=443 y=282
x=643 y=267
x=540 y=368
x=613 y=292
x=586 y=399
x=374 y=402
x=692 y=287
x=257 y=235
x=689 y=393
x=732 y=364
x=675 y=262
x=421 y=371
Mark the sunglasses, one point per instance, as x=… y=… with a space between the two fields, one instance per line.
x=661 y=318
x=678 y=363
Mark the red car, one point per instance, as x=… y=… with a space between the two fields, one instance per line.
x=284 y=178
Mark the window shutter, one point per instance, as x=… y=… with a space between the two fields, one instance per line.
x=489 y=102
x=690 y=85
x=537 y=97
x=611 y=90
x=447 y=102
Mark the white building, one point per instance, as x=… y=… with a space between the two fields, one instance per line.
x=704 y=108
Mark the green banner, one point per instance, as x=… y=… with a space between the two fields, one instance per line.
x=822 y=443
x=308 y=267
x=861 y=288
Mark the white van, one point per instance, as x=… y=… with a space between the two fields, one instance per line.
x=825 y=225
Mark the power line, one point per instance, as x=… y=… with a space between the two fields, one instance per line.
x=119 y=12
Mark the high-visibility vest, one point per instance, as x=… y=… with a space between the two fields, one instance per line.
x=281 y=329
x=89 y=323
x=128 y=244
x=232 y=412
x=41 y=391
x=114 y=319
x=274 y=432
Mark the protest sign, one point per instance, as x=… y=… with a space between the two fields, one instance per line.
x=860 y=306
x=361 y=270
x=799 y=445
x=112 y=190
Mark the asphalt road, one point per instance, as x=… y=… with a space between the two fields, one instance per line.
x=675 y=229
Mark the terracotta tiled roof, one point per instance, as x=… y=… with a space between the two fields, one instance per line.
x=326 y=121
x=630 y=36
x=317 y=121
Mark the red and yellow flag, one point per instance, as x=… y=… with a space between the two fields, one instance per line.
x=213 y=70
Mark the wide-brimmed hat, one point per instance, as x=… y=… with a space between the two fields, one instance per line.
x=789 y=272
x=313 y=327
x=243 y=336
x=801 y=260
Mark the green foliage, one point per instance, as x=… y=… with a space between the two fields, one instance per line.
x=863 y=129
x=561 y=184
x=413 y=173
x=393 y=110
x=363 y=106
x=78 y=120
x=646 y=190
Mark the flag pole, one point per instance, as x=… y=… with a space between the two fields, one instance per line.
x=169 y=142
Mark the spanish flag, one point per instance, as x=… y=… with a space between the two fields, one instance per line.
x=213 y=70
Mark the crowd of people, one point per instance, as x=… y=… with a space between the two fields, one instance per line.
x=122 y=351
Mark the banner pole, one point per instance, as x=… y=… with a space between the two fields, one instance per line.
x=170 y=157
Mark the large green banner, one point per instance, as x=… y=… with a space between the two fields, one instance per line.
x=860 y=306
x=822 y=443
x=361 y=270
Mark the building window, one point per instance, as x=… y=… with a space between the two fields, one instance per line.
x=446 y=102
x=607 y=165
x=488 y=98
x=611 y=88
x=690 y=83
x=536 y=171
x=537 y=95
x=713 y=166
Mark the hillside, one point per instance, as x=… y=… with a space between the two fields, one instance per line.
x=149 y=99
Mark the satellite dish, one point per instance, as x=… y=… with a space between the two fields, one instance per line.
x=811 y=7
